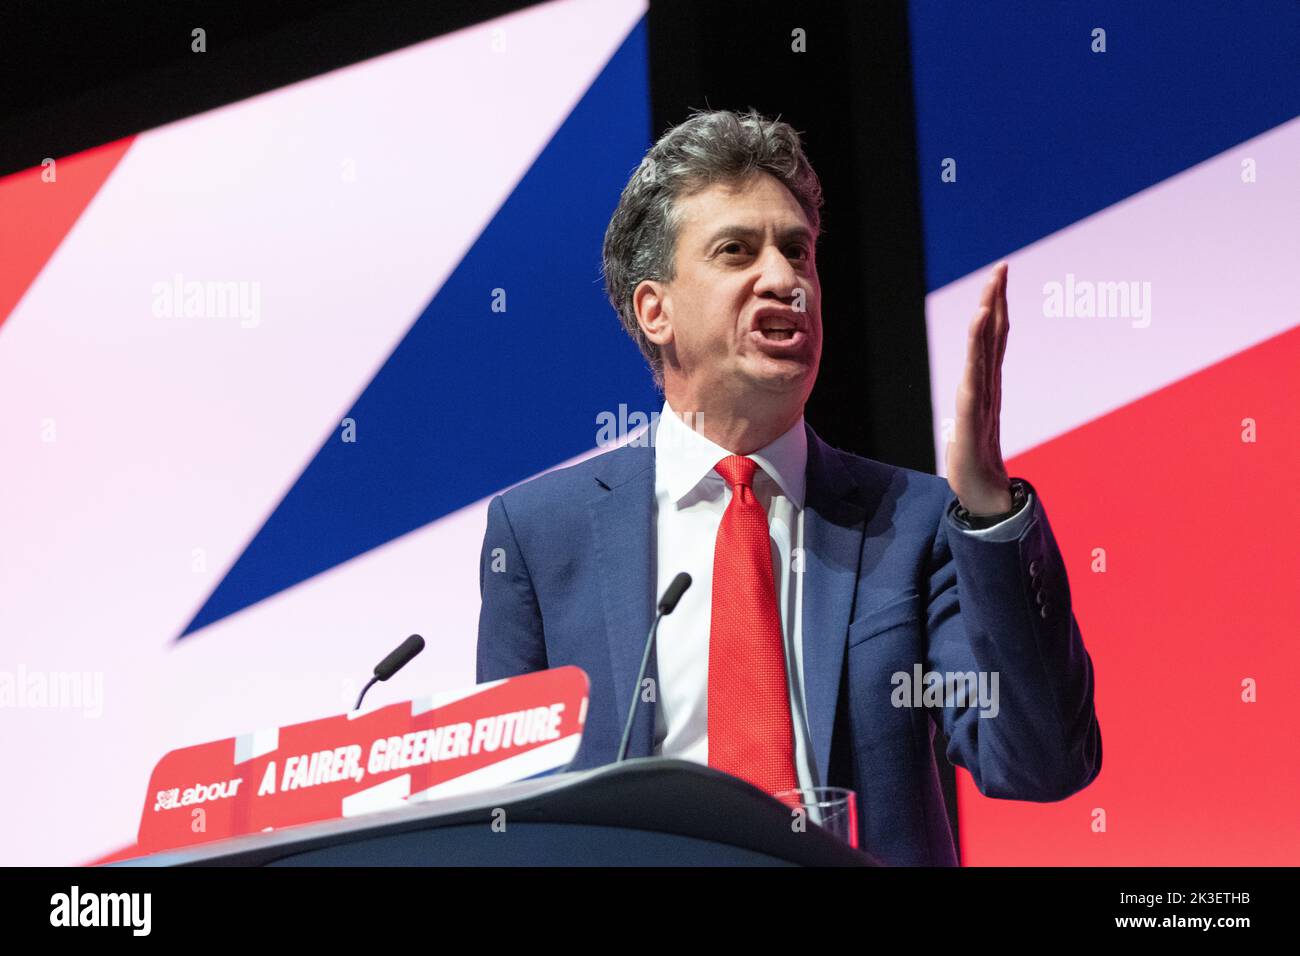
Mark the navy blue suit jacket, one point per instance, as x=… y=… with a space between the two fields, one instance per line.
x=576 y=559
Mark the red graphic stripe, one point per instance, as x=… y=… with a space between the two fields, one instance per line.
x=1199 y=595
x=36 y=215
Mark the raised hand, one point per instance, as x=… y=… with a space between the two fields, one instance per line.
x=976 y=472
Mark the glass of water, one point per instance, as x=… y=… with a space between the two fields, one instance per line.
x=834 y=809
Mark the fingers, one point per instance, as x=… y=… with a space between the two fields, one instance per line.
x=1004 y=316
x=979 y=396
x=1002 y=333
x=990 y=357
x=988 y=298
x=979 y=350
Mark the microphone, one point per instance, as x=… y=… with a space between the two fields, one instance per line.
x=667 y=604
x=393 y=663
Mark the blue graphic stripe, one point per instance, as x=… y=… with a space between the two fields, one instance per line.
x=472 y=399
x=1046 y=132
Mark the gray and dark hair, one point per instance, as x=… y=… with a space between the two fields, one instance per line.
x=716 y=146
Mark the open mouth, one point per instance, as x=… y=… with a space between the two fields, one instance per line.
x=779 y=340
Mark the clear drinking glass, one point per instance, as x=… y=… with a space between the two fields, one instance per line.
x=834 y=809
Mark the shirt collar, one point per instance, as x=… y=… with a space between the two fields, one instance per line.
x=684 y=457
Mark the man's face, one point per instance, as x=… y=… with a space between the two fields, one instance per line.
x=745 y=307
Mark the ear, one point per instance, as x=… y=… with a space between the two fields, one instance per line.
x=652 y=304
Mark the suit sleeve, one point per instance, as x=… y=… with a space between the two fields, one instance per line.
x=1002 y=607
x=510 y=636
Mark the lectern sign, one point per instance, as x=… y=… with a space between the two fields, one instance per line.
x=344 y=766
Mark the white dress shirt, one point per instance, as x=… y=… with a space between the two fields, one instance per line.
x=690 y=498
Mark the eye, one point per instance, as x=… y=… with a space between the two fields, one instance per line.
x=736 y=247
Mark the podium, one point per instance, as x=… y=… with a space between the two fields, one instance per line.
x=649 y=811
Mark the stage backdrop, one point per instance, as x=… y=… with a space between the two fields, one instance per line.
x=261 y=369
x=260 y=372
x=1137 y=165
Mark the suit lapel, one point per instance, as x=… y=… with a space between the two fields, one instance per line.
x=622 y=513
x=834 y=521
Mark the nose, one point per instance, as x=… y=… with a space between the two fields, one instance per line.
x=776 y=276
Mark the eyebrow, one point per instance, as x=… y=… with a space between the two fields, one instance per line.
x=747 y=232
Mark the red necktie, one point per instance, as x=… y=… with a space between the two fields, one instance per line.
x=750 y=731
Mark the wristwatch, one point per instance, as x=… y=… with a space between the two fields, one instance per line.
x=1019 y=495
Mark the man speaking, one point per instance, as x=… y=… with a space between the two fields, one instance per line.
x=825 y=585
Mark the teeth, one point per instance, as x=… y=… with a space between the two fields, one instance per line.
x=777 y=324
x=779 y=334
